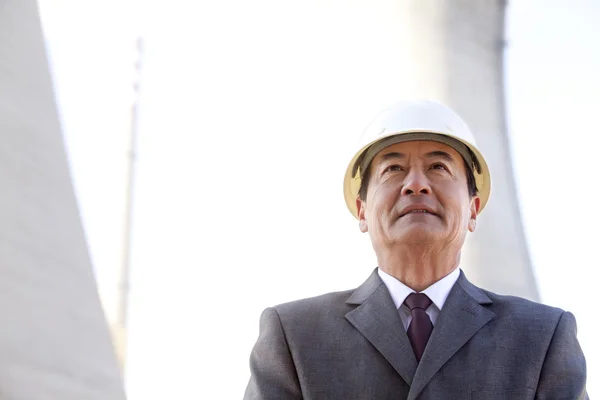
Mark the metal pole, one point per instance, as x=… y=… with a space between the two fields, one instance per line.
x=124 y=276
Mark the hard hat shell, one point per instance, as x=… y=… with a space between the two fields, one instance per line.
x=420 y=116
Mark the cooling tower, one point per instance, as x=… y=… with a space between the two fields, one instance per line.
x=54 y=340
x=455 y=54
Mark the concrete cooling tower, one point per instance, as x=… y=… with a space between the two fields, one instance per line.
x=54 y=340
x=455 y=53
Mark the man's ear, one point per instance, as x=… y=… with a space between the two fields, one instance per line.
x=362 y=222
x=474 y=209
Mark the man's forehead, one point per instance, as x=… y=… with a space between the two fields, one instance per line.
x=418 y=148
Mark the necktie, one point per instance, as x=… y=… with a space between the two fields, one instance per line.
x=420 y=327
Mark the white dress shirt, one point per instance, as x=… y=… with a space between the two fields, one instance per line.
x=438 y=293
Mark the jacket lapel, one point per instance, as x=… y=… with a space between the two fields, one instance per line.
x=377 y=319
x=462 y=316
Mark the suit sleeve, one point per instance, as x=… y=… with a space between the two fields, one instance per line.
x=272 y=371
x=563 y=373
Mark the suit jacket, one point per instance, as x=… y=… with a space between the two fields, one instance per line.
x=352 y=345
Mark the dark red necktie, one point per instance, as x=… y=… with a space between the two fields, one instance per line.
x=420 y=327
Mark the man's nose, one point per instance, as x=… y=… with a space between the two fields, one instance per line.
x=416 y=182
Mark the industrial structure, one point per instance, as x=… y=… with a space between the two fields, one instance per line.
x=55 y=342
x=455 y=50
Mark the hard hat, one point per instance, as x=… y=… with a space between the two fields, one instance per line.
x=416 y=120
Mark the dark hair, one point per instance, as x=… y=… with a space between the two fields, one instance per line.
x=364 y=183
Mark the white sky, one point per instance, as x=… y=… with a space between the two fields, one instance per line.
x=237 y=209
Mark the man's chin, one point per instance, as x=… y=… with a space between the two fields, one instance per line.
x=416 y=234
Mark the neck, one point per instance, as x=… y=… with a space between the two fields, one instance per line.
x=418 y=266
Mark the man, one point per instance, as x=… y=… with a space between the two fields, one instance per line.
x=417 y=328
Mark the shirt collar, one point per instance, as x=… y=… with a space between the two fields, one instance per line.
x=438 y=292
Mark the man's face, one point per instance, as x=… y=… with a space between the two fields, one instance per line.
x=418 y=194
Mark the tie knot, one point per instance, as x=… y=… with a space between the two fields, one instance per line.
x=417 y=300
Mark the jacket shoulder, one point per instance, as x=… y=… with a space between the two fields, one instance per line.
x=521 y=310
x=329 y=304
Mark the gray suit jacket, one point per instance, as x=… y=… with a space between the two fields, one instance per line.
x=352 y=345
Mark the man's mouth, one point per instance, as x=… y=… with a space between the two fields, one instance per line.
x=417 y=211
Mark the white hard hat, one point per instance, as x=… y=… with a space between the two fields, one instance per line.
x=416 y=120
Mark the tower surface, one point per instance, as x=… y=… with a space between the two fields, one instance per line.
x=456 y=56
x=54 y=341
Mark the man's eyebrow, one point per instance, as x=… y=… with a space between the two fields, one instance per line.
x=393 y=154
x=441 y=154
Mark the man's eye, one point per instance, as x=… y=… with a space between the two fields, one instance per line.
x=439 y=166
x=392 y=168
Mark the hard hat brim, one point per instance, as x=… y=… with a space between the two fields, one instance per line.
x=352 y=183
